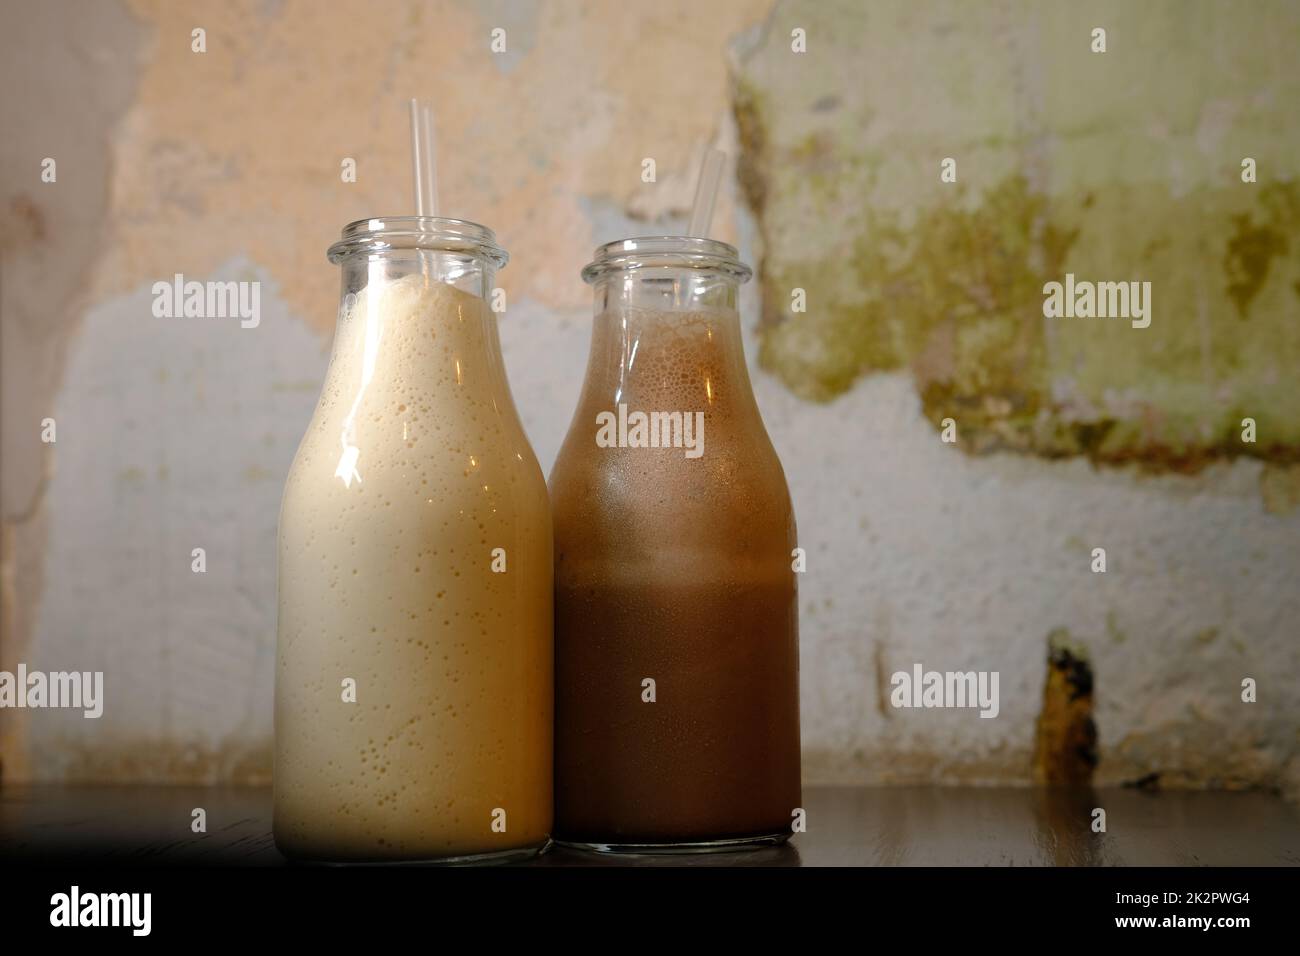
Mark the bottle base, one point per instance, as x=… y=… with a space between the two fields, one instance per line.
x=728 y=845
x=489 y=858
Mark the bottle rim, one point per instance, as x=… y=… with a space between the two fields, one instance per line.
x=677 y=252
x=377 y=235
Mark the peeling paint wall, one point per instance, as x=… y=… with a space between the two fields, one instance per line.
x=1123 y=166
x=227 y=164
x=928 y=295
x=924 y=301
x=67 y=81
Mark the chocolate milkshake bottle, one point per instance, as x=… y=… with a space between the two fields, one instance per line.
x=413 y=698
x=677 y=711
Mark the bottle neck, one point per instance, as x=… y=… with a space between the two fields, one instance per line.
x=472 y=275
x=668 y=340
x=417 y=322
x=425 y=251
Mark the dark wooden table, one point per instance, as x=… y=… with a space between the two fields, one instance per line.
x=902 y=826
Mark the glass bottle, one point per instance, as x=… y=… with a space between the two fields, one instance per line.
x=413 y=707
x=677 y=712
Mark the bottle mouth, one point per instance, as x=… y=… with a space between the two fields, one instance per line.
x=674 y=252
x=377 y=236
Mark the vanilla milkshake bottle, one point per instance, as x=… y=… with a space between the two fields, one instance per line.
x=414 y=654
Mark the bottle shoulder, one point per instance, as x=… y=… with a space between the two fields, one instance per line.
x=740 y=492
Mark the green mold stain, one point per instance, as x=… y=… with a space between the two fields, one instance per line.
x=1246 y=263
x=1254 y=245
x=1113 y=630
x=1205 y=635
x=955 y=296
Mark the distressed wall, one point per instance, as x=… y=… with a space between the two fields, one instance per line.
x=1113 y=166
x=923 y=303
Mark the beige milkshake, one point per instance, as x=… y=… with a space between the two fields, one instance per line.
x=414 y=670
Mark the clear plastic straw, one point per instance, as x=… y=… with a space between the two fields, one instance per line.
x=430 y=162
x=422 y=163
x=706 y=193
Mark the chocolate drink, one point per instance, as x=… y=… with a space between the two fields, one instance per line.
x=673 y=565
